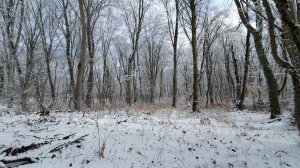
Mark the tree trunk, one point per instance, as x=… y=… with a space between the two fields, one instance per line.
x=210 y=92
x=273 y=90
x=296 y=86
x=47 y=48
x=174 y=91
x=298 y=10
x=1 y=79
x=9 y=19
x=293 y=54
x=70 y=62
x=236 y=75
x=230 y=81
x=10 y=78
x=195 y=106
x=287 y=18
x=24 y=98
x=79 y=81
x=240 y=105
x=51 y=83
x=106 y=80
x=129 y=83
x=152 y=91
x=161 y=88
x=90 y=42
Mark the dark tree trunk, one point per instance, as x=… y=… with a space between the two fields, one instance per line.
x=298 y=10
x=1 y=79
x=296 y=85
x=287 y=40
x=210 y=92
x=106 y=80
x=240 y=105
x=161 y=88
x=174 y=99
x=236 y=74
x=195 y=106
x=51 y=83
x=287 y=18
x=129 y=83
x=90 y=42
x=273 y=91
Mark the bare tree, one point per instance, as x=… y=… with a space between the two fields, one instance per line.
x=107 y=31
x=48 y=25
x=289 y=21
x=153 y=53
x=69 y=35
x=133 y=18
x=290 y=44
x=30 y=38
x=13 y=28
x=173 y=32
x=2 y=80
x=273 y=90
x=81 y=64
x=191 y=8
x=240 y=103
x=211 y=26
x=92 y=9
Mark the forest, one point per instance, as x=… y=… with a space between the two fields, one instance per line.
x=149 y=83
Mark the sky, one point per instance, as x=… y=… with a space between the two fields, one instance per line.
x=233 y=18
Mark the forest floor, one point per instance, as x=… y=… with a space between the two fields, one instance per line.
x=163 y=138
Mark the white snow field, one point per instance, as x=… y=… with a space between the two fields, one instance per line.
x=164 y=138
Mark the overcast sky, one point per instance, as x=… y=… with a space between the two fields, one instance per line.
x=230 y=5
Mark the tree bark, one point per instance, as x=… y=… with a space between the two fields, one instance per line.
x=236 y=75
x=287 y=18
x=1 y=79
x=195 y=106
x=273 y=90
x=240 y=105
x=174 y=98
x=90 y=43
x=81 y=65
x=210 y=92
x=298 y=10
x=296 y=86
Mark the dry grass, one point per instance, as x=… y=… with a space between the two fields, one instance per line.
x=151 y=107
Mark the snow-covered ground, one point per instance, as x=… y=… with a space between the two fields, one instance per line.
x=165 y=138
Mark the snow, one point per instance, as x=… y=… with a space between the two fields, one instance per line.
x=164 y=138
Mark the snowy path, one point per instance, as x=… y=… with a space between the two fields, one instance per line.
x=161 y=139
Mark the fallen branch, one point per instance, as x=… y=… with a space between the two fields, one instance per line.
x=67 y=137
x=277 y=119
x=22 y=149
x=119 y=122
x=17 y=162
x=76 y=141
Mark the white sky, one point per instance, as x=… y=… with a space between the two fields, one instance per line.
x=233 y=18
